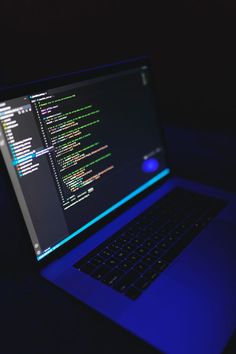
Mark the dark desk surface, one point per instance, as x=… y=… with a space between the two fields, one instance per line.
x=37 y=318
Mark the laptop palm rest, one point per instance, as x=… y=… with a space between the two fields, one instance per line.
x=198 y=311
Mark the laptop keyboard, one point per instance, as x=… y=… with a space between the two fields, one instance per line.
x=136 y=255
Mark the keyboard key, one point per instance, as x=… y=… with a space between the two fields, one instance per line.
x=112 y=277
x=114 y=247
x=130 y=247
x=156 y=252
x=125 y=239
x=124 y=265
x=100 y=272
x=111 y=262
x=133 y=292
x=164 y=244
x=137 y=240
x=171 y=238
x=156 y=237
x=106 y=253
x=121 y=254
x=149 y=243
x=133 y=258
x=142 y=250
x=97 y=260
x=159 y=266
x=126 y=281
x=87 y=268
x=141 y=267
x=151 y=274
x=142 y=283
x=82 y=262
x=149 y=260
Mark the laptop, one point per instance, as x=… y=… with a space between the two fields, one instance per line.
x=108 y=222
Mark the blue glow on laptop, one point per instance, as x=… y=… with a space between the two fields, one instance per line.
x=140 y=189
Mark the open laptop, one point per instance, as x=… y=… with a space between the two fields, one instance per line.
x=108 y=222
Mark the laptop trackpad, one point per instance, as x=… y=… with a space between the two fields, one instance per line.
x=191 y=308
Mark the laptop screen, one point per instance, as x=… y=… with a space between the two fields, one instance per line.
x=79 y=151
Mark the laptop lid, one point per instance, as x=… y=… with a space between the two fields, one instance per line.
x=79 y=147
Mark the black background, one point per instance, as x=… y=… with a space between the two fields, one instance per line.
x=191 y=43
x=192 y=46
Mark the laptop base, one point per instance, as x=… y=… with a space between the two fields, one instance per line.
x=180 y=311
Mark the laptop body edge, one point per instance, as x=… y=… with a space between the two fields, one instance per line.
x=191 y=306
x=138 y=316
